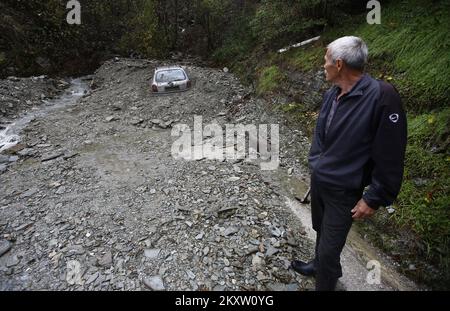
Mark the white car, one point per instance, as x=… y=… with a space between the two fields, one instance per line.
x=170 y=79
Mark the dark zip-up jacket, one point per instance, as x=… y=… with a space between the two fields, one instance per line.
x=365 y=143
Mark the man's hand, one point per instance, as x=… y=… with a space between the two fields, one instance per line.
x=362 y=210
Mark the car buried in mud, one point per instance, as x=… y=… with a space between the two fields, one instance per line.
x=170 y=79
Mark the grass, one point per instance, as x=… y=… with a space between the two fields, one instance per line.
x=269 y=80
x=305 y=59
x=424 y=202
x=299 y=113
x=411 y=49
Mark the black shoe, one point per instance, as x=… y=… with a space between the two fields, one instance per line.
x=306 y=269
x=326 y=284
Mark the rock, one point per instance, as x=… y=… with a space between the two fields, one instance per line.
x=219 y=288
x=26 y=152
x=158 y=122
x=230 y=231
x=206 y=251
x=152 y=191
x=226 y=262
x=292 y=287
x=63 y=84
x=262 y=215
x=51 y=156
x=275 y=231
x=4 y=158
x=110 y=118
x=141 y=189
x=199 y=236
x=74 y=250
x=29 y=193
x=5 y=246
x=227 y=209
x=260 y=276
x=14 y=79
x=233 y=178
x=52 y=243
x=155 y=283
x=106 y=260
x=237 y=169
x=162 y=271
x=92 y=278
x=12 y=261
x=291 y=240
x=13 y=159
x=251 y=250
x=276 y=287
x=3 y=168
x=257 y=261
x=73 y=275
x=261 y=248
x=167 y=124
x=390 y=209
x=23 y=226
x=271 y=251
x=61 y=190
x=290 y=171
x=152 y=253
x=190 y=274
x=419 y=182
x=136 y=121
x=16 y=148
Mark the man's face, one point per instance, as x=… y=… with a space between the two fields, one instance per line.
x=331 y=70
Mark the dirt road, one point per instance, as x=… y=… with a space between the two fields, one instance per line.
x=94 y=199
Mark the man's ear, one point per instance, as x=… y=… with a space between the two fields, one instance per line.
x=339 y=64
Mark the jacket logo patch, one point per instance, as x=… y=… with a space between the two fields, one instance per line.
x=394 y=117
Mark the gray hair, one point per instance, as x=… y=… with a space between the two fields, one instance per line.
x=352 y=50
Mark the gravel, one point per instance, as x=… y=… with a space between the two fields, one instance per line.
x=111 y=209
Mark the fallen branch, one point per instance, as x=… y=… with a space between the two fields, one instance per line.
x=299 y=44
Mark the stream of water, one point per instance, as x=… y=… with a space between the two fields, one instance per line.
x=10 y=133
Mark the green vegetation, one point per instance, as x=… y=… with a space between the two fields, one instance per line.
x=269 y=80
x=306 y=59
x=410 y=49
x=424 y=203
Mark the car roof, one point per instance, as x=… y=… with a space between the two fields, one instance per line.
x=168 y=68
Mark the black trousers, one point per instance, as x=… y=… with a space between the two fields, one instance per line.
x=331 y=219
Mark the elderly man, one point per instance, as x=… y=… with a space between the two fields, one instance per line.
x=359 y=141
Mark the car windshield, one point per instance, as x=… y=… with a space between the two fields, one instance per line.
x=170 y=75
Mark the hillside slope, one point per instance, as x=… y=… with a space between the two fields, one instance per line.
x=410 y=49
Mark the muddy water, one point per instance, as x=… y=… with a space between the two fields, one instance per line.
x=357 y=253
x=10 y=133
